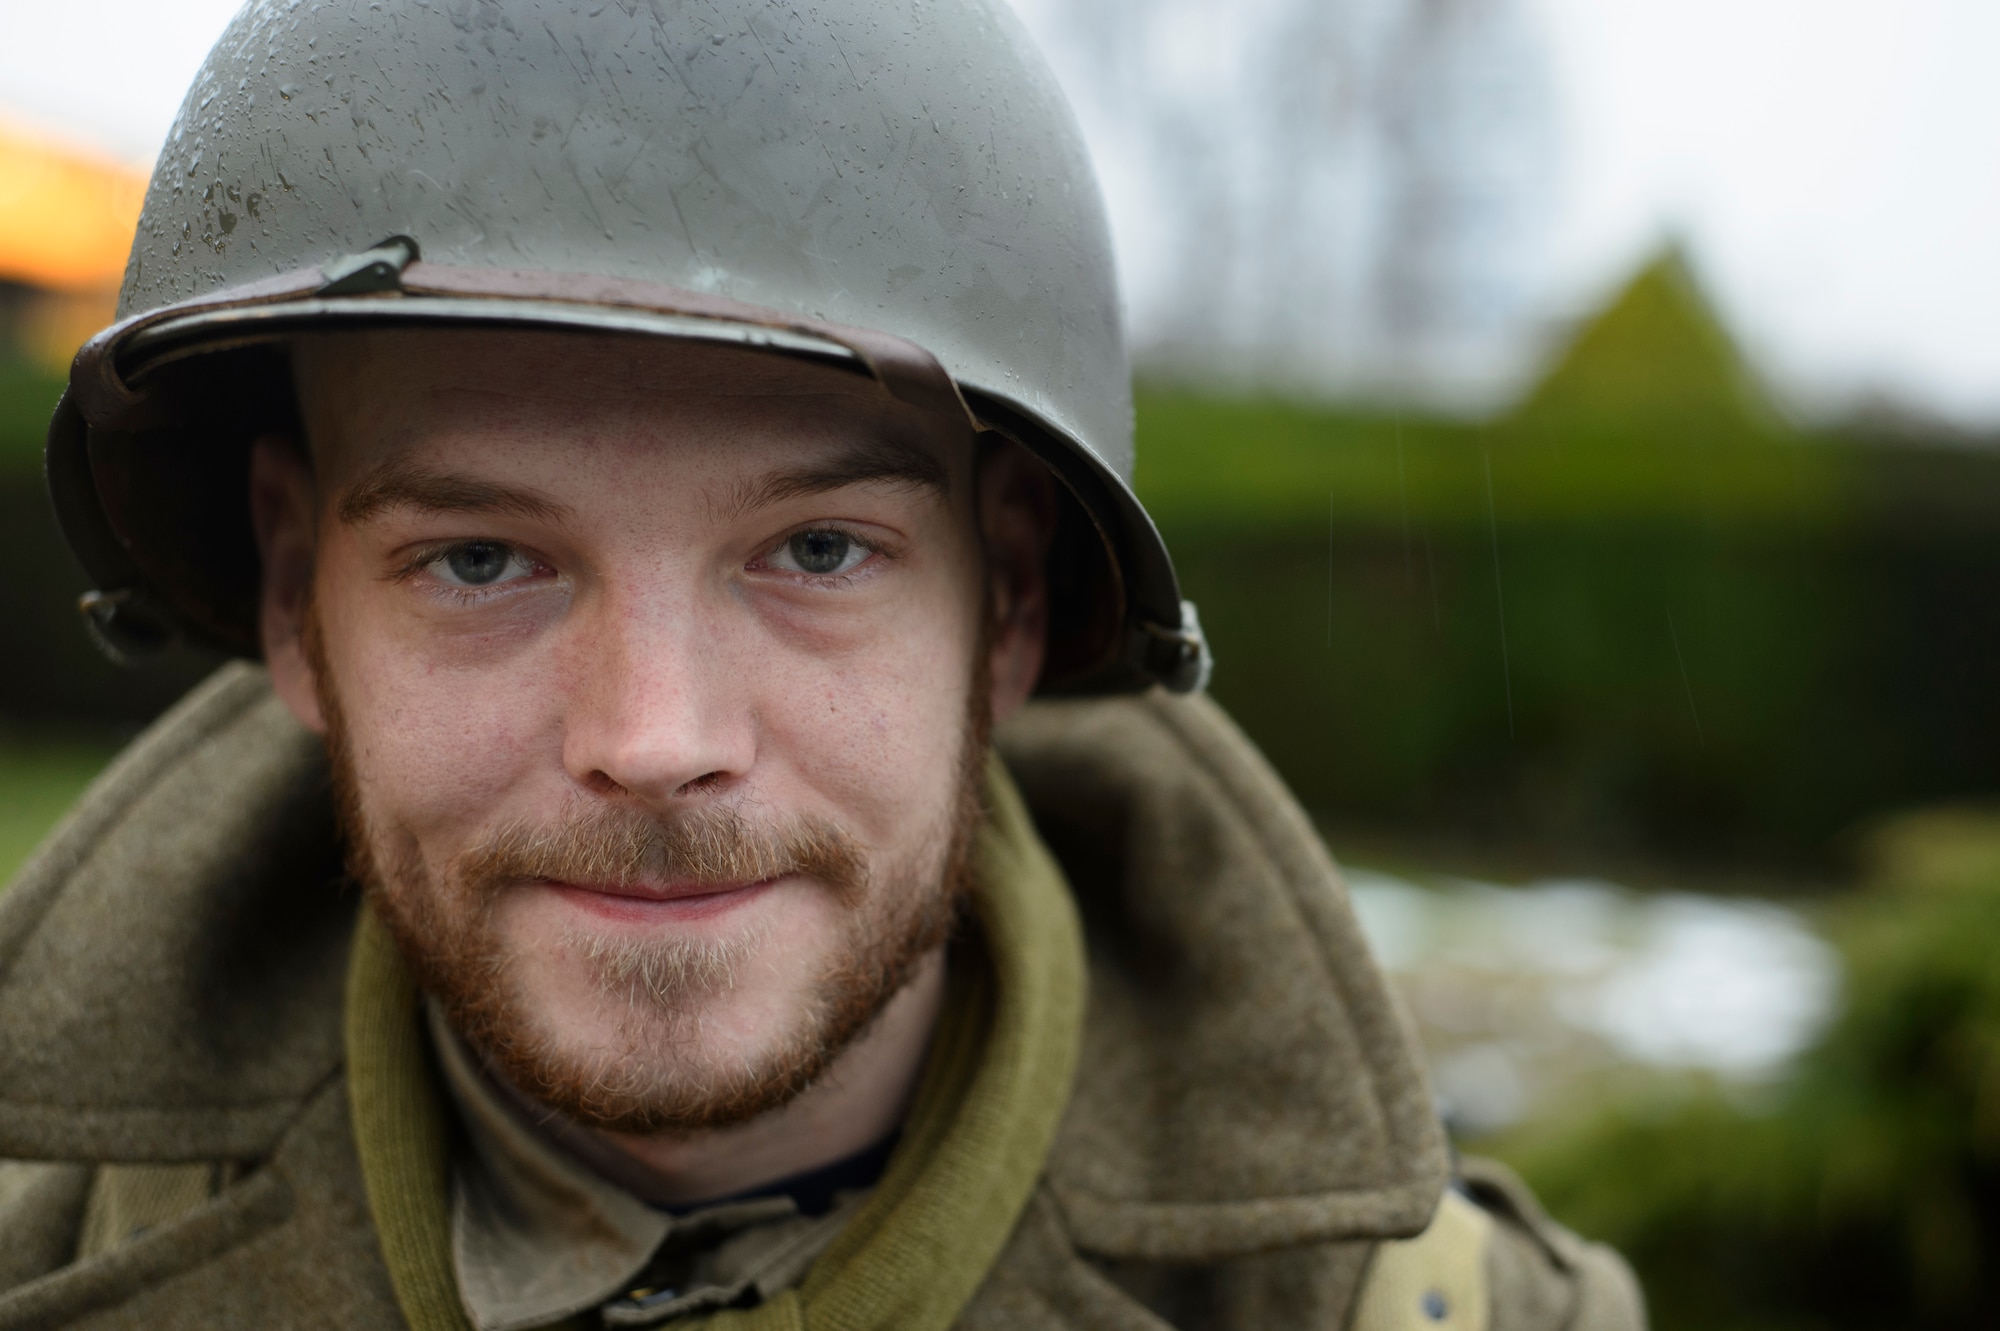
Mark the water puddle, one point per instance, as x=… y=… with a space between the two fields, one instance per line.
x=1526 y=994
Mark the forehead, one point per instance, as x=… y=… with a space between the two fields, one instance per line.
x=375 y=398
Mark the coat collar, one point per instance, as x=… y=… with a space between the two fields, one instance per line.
x=171 y=959
x=1247 y=1081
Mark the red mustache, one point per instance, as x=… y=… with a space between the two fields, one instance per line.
x=616 y=847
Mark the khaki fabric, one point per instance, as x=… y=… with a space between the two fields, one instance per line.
x=1435 y=1280
x=127 y=1200
x=536 y=1236
x=1247 y=1124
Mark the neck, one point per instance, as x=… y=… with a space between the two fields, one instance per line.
x=860 y=1100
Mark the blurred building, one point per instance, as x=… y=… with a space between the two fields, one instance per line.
x=67 y=215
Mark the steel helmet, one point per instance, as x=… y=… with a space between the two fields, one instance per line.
x=896 y=186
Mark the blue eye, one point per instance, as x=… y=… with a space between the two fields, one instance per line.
x=821 y=552
x=478 y=564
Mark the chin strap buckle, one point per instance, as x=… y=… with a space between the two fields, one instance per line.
x=126 y=624
x=1178 y=657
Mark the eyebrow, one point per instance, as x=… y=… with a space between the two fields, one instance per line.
x=887 y=460
x=402 y=484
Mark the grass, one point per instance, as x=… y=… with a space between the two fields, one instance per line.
x=39 y=780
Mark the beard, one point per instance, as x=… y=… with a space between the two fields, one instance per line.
x=663 y=1071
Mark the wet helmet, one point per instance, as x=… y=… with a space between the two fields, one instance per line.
x=893 y=186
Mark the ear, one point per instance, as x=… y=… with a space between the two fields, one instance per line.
x=284 y=513
x=1017 y=517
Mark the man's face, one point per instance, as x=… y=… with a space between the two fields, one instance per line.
x=655 y=680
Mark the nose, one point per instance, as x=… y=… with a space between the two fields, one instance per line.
x=657 y=711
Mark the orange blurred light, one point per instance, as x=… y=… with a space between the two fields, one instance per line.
x=67 y=214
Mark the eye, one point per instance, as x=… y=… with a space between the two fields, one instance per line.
x=480 y=564
x=820 y=552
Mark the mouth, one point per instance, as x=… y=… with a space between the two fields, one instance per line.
x=658 y=903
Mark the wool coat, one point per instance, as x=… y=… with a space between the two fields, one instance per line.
x=1248 y=1140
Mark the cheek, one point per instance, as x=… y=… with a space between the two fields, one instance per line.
x=878 y=732
x=436 y=749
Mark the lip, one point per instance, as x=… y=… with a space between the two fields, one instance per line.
x=663 y=904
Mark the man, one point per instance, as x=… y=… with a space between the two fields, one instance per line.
x=653 y=452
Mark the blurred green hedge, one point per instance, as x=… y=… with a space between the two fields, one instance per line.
x=1640 y=617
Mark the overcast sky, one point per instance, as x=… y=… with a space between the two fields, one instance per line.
x=1832 y=165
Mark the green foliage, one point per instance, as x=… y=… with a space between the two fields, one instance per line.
x=1648 y=415
x=28 y=394
x=1612 y=649
x=1212 y=464
x=38 y=782
x=1650 y=689
x=1864 y=1192
x=1656 y=354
